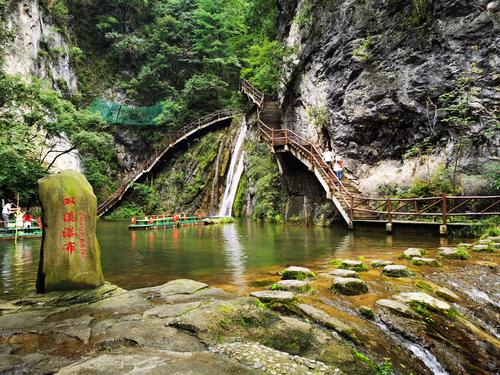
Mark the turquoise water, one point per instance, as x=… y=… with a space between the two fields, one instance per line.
x=236 y=257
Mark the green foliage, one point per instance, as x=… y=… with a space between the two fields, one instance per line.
x=362 y=51
x=366 y=312
x=336 y=262
x=437 y=184
x=319 y=116
x=492 y=174
x=29 y=117
x=483 y=228
x=381 y=368
x=423 y=286
x=264 y=65
x=126 y=211
x=305 y=15
x=421 y=14
x=262 y=172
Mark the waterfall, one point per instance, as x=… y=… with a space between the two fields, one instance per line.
x=418 y=351
x=234 y=173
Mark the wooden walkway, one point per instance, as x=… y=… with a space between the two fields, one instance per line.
x=169 y=142
x=348 y=200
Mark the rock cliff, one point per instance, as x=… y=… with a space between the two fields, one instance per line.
x=380 y=71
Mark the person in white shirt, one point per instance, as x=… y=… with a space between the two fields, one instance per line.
x=328 y=157
x=7 y=209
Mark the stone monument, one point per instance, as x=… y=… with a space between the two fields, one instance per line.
x=70 y=257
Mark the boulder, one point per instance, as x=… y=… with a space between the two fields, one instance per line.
x=396 y=307
x=465 y=245
x=297 y=286
x=447 y=294
x=417 y=261
x=324 y=319
x=485 y=242
x=453 y=253
x=396 y=270
x=423 y=299
x=354 y=265
x=274 y=296
x=70 y=256
x=413 y=252
x=181 y=286
x=297 y=273
x=380 y=263
x=349 y=286
x=483 y=248
x=343 y=273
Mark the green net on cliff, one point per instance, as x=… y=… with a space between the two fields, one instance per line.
x=123 y=114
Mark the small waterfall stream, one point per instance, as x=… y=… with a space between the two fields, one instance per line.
x=234 y=173
x=418 y=351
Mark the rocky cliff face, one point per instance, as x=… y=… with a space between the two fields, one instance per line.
x=38 y=49
x=378 y=69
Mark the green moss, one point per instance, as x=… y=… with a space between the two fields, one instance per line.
x=461 y=253
x=423 y=310
x=336 y=262
x=362 y=51
x=366 y=312
x=297 y=275
x=381 y=368
x=418 y=262
x=361 y=268
x=423 y=286
x=303 y=289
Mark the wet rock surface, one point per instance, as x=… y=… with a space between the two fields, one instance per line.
x=396 y=270
x=297 y=273
x=343 y=273
x=297 y=286
x=380 y=263
x=349 y=286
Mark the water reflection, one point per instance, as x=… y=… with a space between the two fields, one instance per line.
x=16 y=265
x=235 y=254
x=231 y=256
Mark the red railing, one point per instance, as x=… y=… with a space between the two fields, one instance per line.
x=167 y=142
x=446 y=207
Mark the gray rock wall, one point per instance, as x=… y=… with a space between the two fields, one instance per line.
x=38 y=49
x=378 y=67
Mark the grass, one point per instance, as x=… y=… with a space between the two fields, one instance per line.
x=381 y=368
x=336 y=262
x=423 y=286
x=418 y=262
x=461 y=253
x=362 y=267
x=366 y=312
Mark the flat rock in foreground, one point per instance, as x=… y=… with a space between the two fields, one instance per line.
x=325 y=319
x=424 y=299
x=297 y=273
x=273 y=296
x=297 y=286
x=181 y=286
x=396 y=307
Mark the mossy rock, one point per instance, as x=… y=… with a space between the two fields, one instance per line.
x=483 y=248
x=297 y=273
x=349 y=286
x=377 y=263
x=70 y=257
x=454 y=253
x=297 y=286
x=366 y=312
x=425 y=262
x=396 y=270
x=353 y=265
x=412 y=252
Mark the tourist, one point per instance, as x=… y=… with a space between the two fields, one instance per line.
x=338 y=168
x=328 y=157
x=19 y=218
x=27 y=219
x=6 y=211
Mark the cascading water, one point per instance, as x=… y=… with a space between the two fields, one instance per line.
x=418 y=351
x=234 y=173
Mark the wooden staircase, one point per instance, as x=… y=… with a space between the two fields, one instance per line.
x=344 y=194
x=169 y=141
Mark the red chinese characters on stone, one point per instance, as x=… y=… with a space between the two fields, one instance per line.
x=68 y=232
x=69 y=247
x=69 y=217
x=69 y=201
x=81 y=234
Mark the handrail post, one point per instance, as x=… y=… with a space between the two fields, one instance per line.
x=389 y=209
x=444 y=209
x=286 y=137
x=351 y=209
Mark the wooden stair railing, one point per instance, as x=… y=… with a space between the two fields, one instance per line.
x=166 y=144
